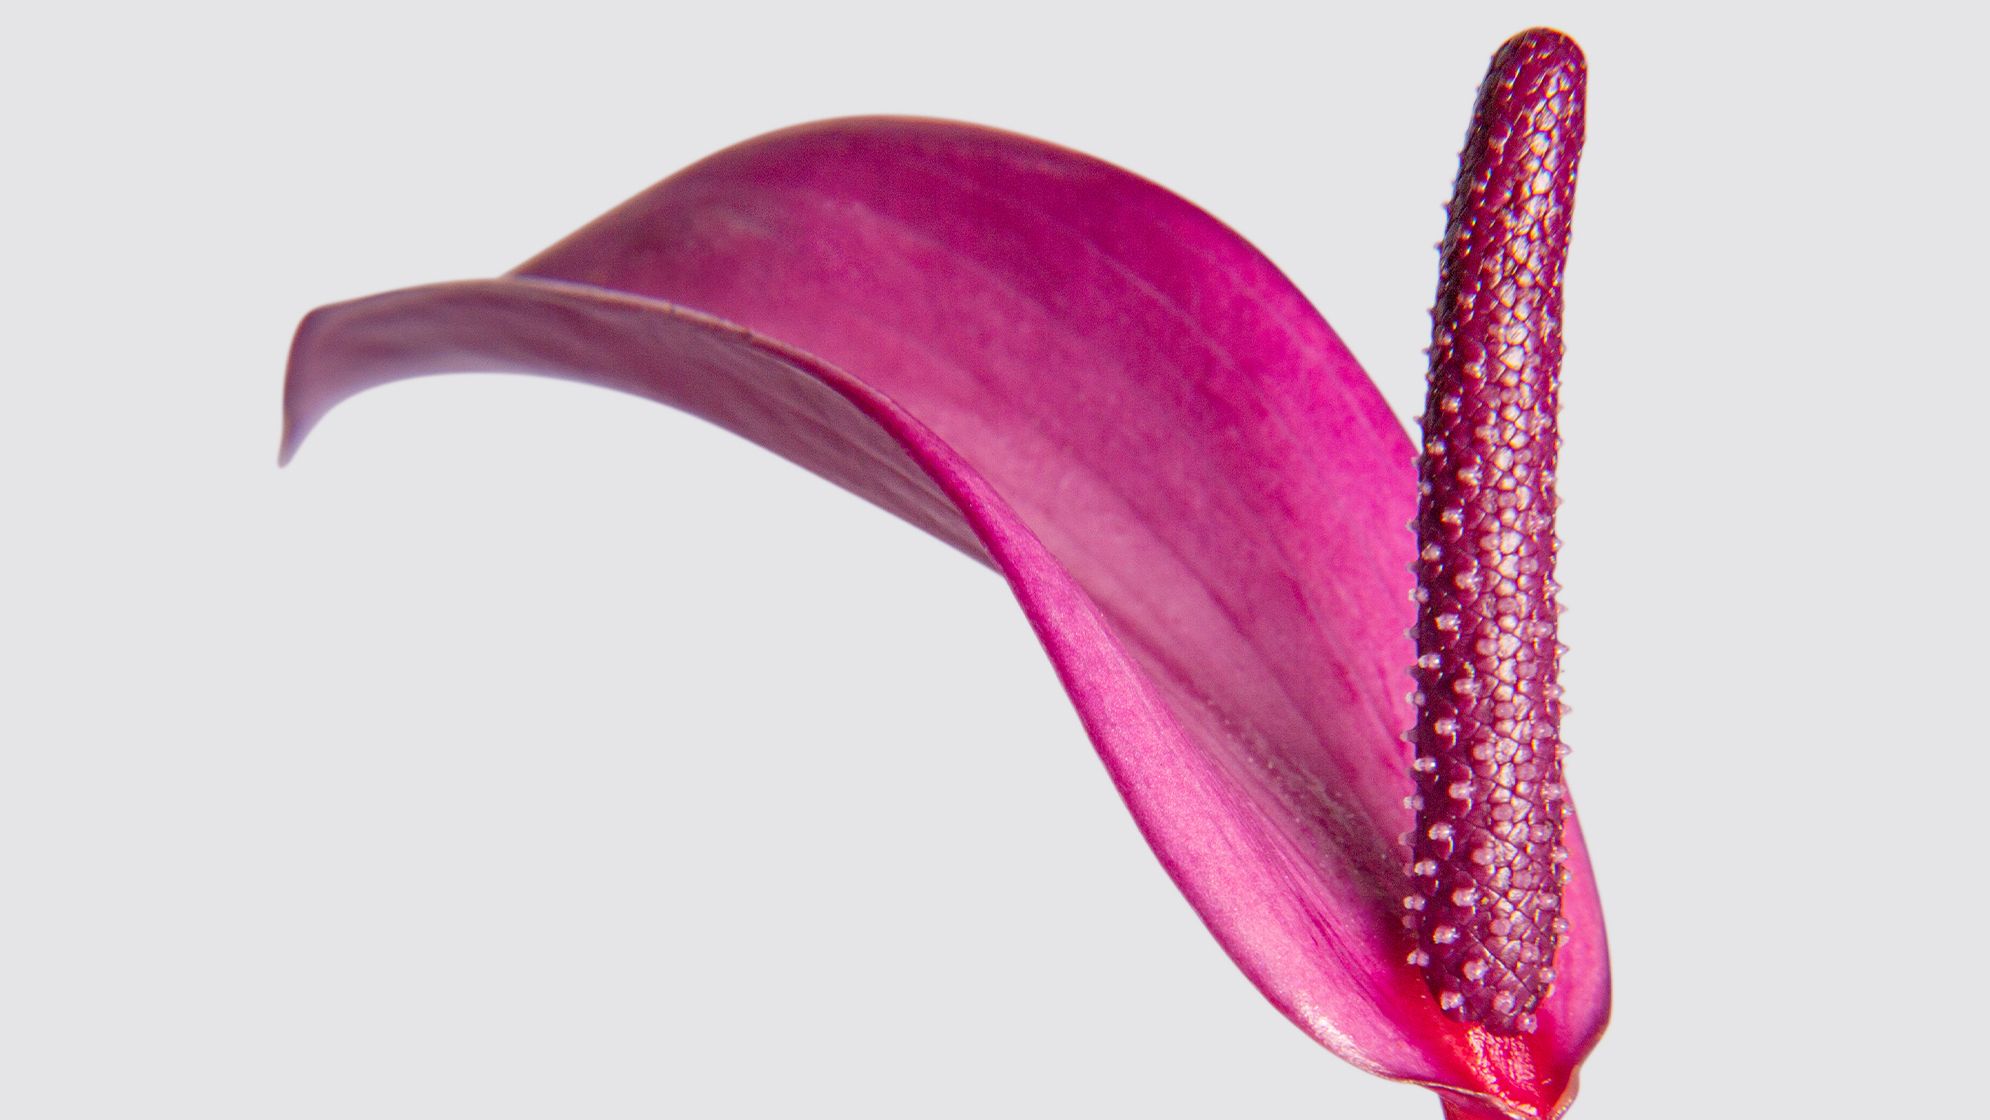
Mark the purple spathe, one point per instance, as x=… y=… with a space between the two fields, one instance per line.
x=1068 y=373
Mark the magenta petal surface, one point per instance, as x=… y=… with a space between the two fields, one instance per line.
x=1197 y=496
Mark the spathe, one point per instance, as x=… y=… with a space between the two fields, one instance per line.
x=1085 y=382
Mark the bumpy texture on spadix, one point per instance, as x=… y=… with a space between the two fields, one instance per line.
x=1487 y=891
x=1093 y=387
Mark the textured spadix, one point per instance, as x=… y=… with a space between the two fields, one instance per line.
x=1487 y=892
x=1081 y=380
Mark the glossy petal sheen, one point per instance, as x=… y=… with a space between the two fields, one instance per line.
x=1066 y=372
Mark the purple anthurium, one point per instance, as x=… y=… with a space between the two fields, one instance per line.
x=1199 y=500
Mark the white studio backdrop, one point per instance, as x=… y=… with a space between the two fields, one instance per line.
x=529 y=751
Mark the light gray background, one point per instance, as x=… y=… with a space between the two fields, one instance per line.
x=530 y=751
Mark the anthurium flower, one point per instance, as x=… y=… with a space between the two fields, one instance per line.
x=1199 y=499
